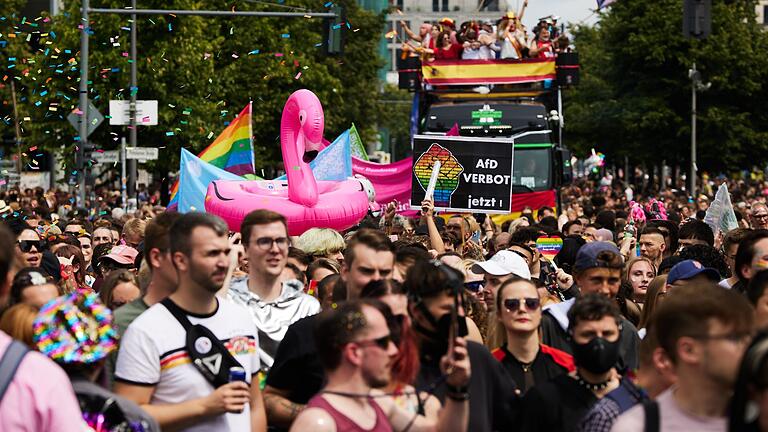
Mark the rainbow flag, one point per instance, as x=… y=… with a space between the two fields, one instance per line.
x=231 y=151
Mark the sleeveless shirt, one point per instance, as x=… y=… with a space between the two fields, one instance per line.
x=344 y=423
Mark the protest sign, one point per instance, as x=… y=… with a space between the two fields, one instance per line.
x=475 y=173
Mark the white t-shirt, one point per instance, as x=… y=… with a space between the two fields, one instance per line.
x=671 y=418
x=152 y=352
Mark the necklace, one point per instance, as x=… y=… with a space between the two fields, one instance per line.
x=590 y=386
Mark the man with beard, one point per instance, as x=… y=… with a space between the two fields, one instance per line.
x=557 y=405
x=652 y=245
x=296 y=374
x=437 y=312
x=357 y=351
x=704 y=329
x=155 y=366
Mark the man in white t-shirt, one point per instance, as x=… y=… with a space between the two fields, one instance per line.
x=153 y=366
x=704 y=329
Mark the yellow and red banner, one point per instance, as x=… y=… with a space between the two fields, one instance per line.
x=479 y=72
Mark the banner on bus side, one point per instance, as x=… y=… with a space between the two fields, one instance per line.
x=475 y=174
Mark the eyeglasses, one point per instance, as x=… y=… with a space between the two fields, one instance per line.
x=26 y=245
x=473 y=286
x=382 y=342
x=737 y=337
x=514 y=304
x=265 y=243
x=760 y=216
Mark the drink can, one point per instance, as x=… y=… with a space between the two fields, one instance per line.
x=236 y=373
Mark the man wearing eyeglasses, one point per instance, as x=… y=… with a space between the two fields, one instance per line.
x=759 y=216
x=704 y=330
x=357 y=352
x=273 y=304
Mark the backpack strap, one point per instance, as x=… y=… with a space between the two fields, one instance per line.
x=652 y=419
x=10 y=363
x=208 y=354
x=177 y=313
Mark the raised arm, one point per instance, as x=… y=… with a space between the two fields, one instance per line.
x=428 y=212
x=522 y=11
x=410 y=32
x=454 y=416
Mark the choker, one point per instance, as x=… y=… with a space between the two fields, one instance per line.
x=592 y=387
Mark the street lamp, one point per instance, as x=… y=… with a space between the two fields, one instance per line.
x=696 y=86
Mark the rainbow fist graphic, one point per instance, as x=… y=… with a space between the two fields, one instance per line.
x=447 y=179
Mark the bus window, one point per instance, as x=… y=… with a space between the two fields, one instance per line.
x=532 y=168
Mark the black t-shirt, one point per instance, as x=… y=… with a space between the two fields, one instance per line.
x=297 y=368
x=555 y=406
x=493 y=401
x=549 y=363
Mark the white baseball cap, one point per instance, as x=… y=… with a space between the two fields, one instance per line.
x=503 y=263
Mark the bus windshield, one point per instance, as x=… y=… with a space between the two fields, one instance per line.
x=532 y=168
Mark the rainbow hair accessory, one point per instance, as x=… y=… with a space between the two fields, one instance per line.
x=75 y=328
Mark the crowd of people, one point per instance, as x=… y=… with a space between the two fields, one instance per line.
x=505 y=38
x=647 y=318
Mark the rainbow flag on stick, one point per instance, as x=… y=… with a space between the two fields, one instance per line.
x=231 y=151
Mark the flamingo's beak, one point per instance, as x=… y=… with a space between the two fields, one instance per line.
x=311 y=149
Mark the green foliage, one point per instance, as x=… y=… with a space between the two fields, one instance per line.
x=203 y=71
x=635 y=95
x=394 y=115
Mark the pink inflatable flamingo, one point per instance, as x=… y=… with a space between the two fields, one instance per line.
x=305 y=202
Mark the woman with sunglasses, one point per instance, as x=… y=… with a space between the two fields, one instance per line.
x=31 y=247
x=523 y=355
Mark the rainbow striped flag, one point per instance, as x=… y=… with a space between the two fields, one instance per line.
x=231 y=151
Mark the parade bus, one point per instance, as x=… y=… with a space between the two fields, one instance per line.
x=500 y=98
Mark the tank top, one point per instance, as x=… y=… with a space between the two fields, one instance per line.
x=344 y=423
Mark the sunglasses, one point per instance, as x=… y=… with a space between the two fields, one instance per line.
x=382 y=342
x=26 y=245
x=514 y=304
x=473 y=286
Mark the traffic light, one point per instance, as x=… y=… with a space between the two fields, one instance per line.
x=697 y=18
x=84 y=155
x=334 y=44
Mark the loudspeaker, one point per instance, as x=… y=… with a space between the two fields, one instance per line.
x=567 y=69
x=408 y=72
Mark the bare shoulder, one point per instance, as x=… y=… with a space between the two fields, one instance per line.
x=314 y=419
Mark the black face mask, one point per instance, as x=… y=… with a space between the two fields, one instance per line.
x=437 y=340
x=597 y=356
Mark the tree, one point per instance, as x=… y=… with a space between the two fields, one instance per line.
x=635 y=97
x=203 y=71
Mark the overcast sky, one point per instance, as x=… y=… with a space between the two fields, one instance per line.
x=569 y=10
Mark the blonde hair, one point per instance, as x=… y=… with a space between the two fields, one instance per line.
x=17 y=322
x=516 y=224
x=497 y=333
x=320 y=242
x=628 y=266
x=135 y=226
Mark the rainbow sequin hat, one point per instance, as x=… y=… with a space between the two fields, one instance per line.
x=75 y=328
